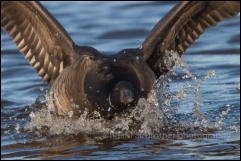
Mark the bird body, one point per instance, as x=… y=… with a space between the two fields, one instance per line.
x=89 y=80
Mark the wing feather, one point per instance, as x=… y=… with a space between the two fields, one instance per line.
x=37 y=35
x=179 y=29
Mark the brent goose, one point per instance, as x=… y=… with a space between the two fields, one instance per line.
x=83 y=76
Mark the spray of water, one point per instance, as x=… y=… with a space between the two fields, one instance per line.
x=151 y=116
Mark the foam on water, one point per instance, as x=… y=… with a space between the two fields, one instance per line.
x=151 y=116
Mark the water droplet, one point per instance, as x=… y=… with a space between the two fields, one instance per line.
x=139 y=44
x=40 y=99
x=234 y=128
x=32 y=115
x=137 y=57
x=212 y=73
x=70 y=113
x=41 y=88
x=238 y=87
x=140 y=47
x=109 y=109
x=17 y=128
x=114 y=60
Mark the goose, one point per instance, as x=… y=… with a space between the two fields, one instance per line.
x=109 y=84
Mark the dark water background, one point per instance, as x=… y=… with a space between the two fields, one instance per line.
x=110 y=27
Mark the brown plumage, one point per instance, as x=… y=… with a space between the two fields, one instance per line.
x=83 y=76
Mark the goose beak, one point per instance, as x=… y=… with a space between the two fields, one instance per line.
x=126 y=96
x=122 y=95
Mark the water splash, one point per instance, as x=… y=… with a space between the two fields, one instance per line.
x=145 y=118
x=201 y=120
x=153 y=116
x=219 y=123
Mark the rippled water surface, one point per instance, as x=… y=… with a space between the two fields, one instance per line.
x=193 y=113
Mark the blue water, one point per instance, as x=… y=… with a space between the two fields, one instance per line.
x=110 y=27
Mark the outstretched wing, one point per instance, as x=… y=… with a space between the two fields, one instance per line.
x=38 y=36
x=182 y=26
